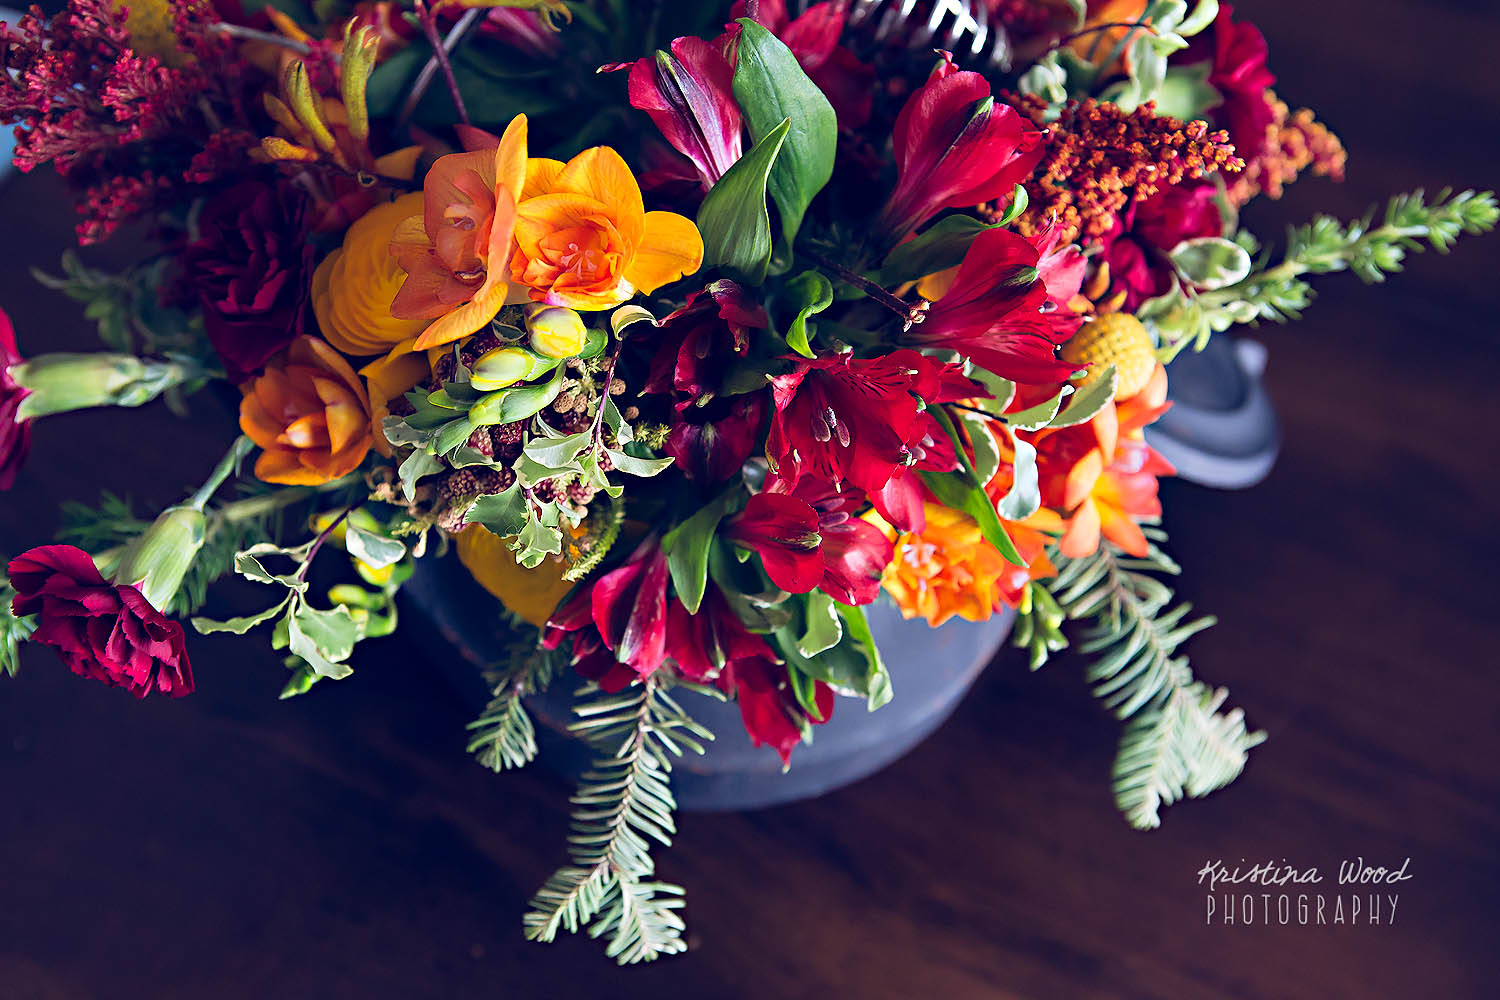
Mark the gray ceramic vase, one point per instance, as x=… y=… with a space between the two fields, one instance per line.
x=931 y=669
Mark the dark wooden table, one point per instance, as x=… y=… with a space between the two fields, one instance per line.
x=342 y=845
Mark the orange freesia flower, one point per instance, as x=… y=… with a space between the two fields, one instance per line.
x=1105 y=25
x=948 y=568
x=354 y=286
x=454 y=253
x=309 y=414
x=585 y=240
x=1100 y=478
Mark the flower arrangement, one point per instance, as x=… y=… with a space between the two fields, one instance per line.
x=856 y=307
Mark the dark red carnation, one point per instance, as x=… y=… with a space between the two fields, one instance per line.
x=102 y=631
x=251 y=269
x=1236 y=54
x=15 y=433
x=1136 y=247
x=955 y=148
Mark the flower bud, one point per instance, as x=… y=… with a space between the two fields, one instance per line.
x=556 y=331
x=505 y=366
x=156 y=562
x=62 y=382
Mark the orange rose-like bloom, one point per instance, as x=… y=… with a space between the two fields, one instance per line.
x=585 y=240
x=949 y=568
x=353 y=287
x=309 y=414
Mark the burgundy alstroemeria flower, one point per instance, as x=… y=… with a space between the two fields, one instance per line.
x=846 y=421
x=848 y=83
x=1136 y=248
x=100 y=630
x=688 y=94
x=715 y=646
x=768 y=708
x=955 y=148
x=1236 y=54
x=698 y=341
x=251 y=269
x=992 y=313
x=713 y=443
x=15 y=434
x=783 y=530
x=628 y=608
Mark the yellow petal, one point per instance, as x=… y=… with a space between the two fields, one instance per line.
x=467 y=318
x=670 y=249
x=531 y=593
x=603 y=175
x=510 y=160
x=541 y=176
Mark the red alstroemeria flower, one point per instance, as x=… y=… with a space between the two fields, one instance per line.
x=1236 y=54
x=628 y=607
x=706 y=645
x=955 y=148
x=848 y=83
x=688 y=94
x=768 y=708
x=784 y=532
x=992 y=313
x=844 y=421
x=855 y=552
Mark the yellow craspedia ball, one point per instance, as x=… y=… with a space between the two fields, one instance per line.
x=149 y=24
x=531 y=593
x=353 y=287
x=1117 y=339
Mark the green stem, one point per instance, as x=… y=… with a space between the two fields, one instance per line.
x=1295 y=267
x=227 y=464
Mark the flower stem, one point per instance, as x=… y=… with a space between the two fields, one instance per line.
x=227 y=464
x=910 y=313
x=322 y=537
x=270 y=37
x=441 y=49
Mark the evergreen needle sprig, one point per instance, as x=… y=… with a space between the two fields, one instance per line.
x=1176 y=741
x=504 y=736
x=622 y=804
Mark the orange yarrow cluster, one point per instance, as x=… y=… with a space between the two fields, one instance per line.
x=1099 y=159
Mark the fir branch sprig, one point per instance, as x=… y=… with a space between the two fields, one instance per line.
x=13 y=630
x=622 y=804
x=504 y=736
x=1176 y=741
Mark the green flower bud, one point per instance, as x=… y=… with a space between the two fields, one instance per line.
x=556 y=331
x=156 y=562
x=63 y=382
x=505 y=366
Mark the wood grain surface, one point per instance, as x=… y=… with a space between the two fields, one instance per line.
x=342 y=845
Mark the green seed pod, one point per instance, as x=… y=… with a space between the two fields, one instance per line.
x=156 y=562
x=505 y=366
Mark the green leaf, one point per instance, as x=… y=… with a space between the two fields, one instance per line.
x=986 y=451
x=504 y=513
x=374 y=550
x=959 y=491
x=805 y=689
x=416 y=465
x=1002 y=391
x=636 y=466
x=857 y=628
x=941 y=246
x=733 y=219
x=824 y=627
x=1025 y=496
x=558 y=452
x=239 y=626
x=322 y=638
x=811 y=292
x=1036 y=417
x=771 y=87
x=1086 y=403
x=1211 y=262
x=539 y=537
x=247 y=564
x=686 y=547
x=1186 y=92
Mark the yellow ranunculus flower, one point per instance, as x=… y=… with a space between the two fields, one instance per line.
x=353 y=287
x=531 y=593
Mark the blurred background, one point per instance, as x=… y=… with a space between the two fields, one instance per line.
x=344 y=845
